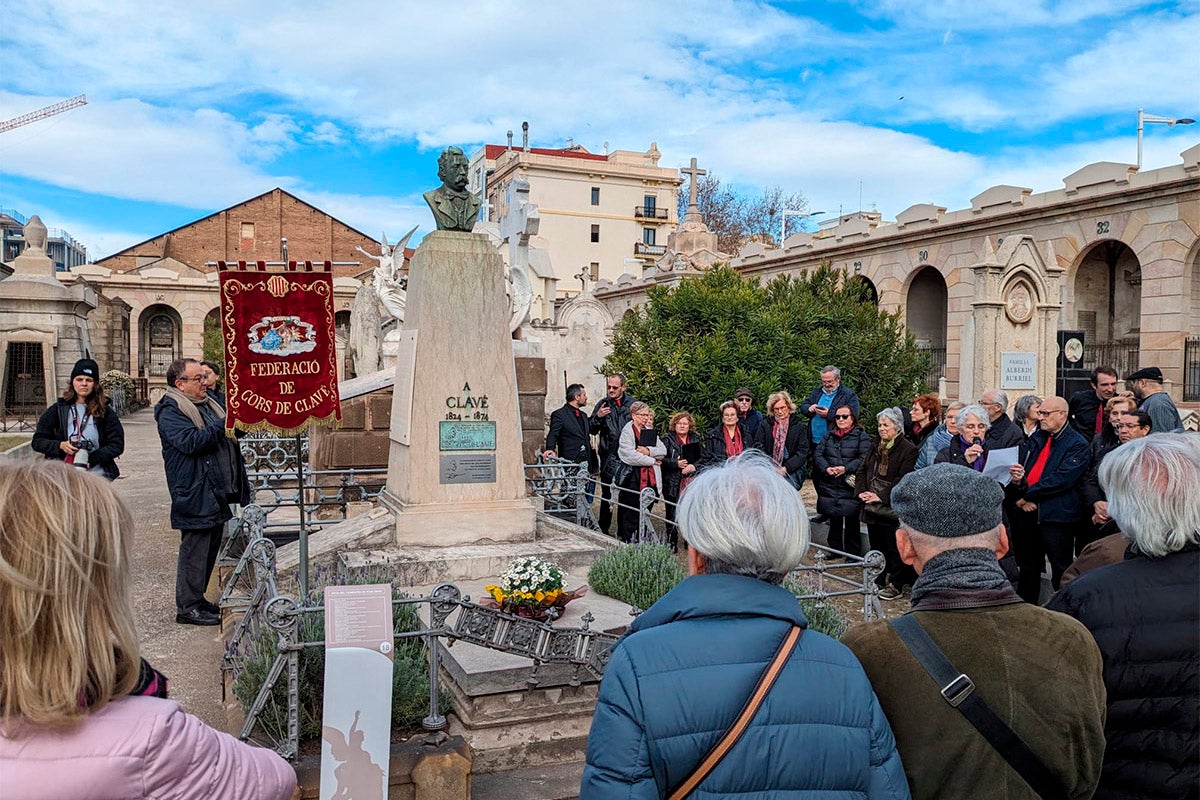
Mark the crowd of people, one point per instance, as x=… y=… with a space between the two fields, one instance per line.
x=720 y=690
x=1045 y=455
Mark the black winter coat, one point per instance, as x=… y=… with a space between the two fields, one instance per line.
x=1145 y=614
x=714 y=445
x=835 y=497
x=797 y=443
x=1004 y=433
x=53 y=428
x=672 y=476
x=953 y=453
x=194 y=477
x=901 y=461
x=608 y=428
x=1057 y=494
x=1081 y=412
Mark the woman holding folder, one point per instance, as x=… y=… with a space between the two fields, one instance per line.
x=640 y=452
x=679 y=466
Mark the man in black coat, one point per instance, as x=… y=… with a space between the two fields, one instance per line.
x=752 y=420
x=205 y=473
x=1003 y=431
x=1144 y=612
x=1050 y=483
x=608 y=418
x=570 y=430
x=1087 y=405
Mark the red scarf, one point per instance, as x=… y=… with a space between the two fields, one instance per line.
x=733 y=444
x=1035 y=472
x=645 y=474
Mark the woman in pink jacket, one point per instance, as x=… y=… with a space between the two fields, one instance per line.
x=81 y=714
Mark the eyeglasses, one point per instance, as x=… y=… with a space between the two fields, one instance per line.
x=1048 y=413
x=988 y=403
x=743 y=399
x=614 y=388
x=193 y=378
x=842 y=416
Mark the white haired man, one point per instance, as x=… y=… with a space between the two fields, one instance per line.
x=677 y=681
x=1037 y=673
x=1145 y=615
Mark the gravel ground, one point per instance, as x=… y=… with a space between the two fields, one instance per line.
x=189 y=655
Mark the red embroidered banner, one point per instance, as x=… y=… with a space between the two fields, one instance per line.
x=280 y=351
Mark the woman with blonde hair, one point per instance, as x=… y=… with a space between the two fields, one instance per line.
x=786 y=438
x=81 y=714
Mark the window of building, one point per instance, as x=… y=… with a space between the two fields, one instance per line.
x=594 y=271
x=595 y=233
x=246 y=239
x=649 y=205
x=595 y=197
x=647 y=235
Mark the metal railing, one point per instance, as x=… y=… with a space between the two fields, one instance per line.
x=252 y=595
x=274 y=475
x=650 y=212
x=1121 y=354
x=643 y=249
x=1191 y=369
x=565 y=483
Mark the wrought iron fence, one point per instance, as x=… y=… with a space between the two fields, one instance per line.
x=275 y=474
x=1191 y=369
x=936 y=360
x=252 y=595
x=1122 y=355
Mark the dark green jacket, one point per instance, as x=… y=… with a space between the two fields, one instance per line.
x=1040 y=671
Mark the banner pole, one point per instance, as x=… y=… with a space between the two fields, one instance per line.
x=303 y=522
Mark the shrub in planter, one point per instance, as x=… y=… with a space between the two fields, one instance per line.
x=410 y=674
x=823 y=617
x=637 y=574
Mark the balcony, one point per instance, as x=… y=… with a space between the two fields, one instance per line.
x=643 y=249
x=651 y=212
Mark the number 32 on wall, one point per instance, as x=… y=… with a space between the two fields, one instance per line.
x=1102 y=227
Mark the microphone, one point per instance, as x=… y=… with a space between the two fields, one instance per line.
x=977 y=441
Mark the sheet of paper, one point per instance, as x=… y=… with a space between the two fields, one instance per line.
x=998 y=462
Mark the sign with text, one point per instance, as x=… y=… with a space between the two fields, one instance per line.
x=1018 y=370
x=468 y=468
x=356 y=725
x=280 y=352
x=466 y=435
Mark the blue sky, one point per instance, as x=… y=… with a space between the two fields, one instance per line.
x=196 y=106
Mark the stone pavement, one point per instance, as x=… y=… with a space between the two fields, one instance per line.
x=190 y=656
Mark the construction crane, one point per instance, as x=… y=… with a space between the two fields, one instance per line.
x=43 y=113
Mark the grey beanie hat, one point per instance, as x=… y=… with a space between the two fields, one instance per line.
x=948 y=500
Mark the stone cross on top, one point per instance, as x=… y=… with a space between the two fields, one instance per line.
x=519 y=223
x=695 y=172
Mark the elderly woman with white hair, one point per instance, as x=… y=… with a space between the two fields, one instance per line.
x=689 y=670
x=890 y=459
x=968 y=448
x=1144 y=613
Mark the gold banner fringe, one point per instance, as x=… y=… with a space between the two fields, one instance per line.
x=259 y=427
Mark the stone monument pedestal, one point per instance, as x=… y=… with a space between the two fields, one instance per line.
x=454 y=471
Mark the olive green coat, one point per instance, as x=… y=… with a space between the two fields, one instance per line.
x=1040 y=671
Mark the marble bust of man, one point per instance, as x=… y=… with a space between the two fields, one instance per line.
x=453 y=207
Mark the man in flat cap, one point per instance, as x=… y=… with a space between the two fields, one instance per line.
x=1038 y=673
x=1147 y=386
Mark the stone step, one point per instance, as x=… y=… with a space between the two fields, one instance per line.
x=551 y=782
x=414 y=566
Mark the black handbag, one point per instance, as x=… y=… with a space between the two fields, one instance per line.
x=879 y=513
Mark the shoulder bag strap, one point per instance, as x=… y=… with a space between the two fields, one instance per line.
x=959 y=691
x=743 y=720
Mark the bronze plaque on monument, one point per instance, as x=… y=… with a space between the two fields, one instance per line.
x=466 y=435
x=468 y=468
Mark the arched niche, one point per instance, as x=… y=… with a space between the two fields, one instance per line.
x=160 y=338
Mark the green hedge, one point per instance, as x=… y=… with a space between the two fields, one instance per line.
x=640 y=574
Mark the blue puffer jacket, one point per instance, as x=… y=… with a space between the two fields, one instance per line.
x=679 y=678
